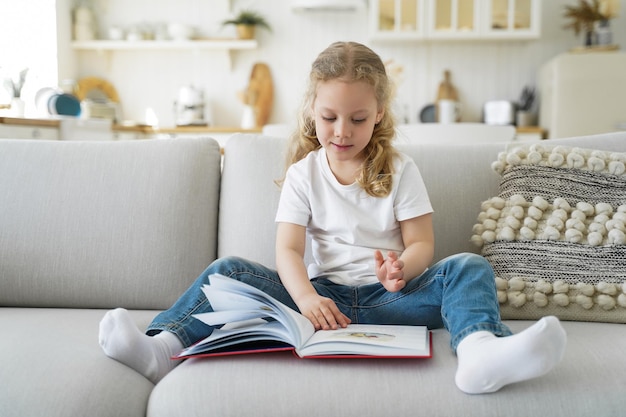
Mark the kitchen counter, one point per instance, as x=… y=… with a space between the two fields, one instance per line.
x=145 y=129
x=20 y=121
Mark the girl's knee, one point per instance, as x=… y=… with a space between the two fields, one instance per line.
x=225 y=265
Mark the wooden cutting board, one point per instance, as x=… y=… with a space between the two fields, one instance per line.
x=447 y=91
x=260 y=93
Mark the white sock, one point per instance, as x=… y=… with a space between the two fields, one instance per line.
x=487 y=363
x=149 y=355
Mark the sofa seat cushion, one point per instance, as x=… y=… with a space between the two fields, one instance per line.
x=52 y=365
x=279 y=384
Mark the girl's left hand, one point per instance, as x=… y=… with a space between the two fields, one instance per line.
x=390 y=271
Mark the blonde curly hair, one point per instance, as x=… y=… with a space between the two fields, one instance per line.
x=351 y=61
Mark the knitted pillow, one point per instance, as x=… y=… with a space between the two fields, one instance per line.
x=556 y=235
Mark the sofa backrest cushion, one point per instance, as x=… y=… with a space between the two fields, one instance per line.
x=458 y=178
x=105 y=224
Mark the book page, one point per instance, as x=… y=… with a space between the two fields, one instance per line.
x=374 y=340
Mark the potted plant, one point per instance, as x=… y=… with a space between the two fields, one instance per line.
x=246 y=21
x=588 y=14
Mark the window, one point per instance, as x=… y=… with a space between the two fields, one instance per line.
x=28 y=39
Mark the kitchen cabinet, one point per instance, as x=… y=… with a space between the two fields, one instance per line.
x=397 y=19
x=451 y=19
x=515 y=19
x=454 y=19
x=11 y=128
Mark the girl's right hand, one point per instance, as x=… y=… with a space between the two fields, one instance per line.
x=322 y=312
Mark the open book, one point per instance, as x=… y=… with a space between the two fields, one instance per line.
x=255 y=322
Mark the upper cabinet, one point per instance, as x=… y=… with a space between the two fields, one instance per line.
x=397 y=19
x=514 y=19
x=454 y=19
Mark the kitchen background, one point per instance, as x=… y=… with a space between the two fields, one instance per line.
x=148 y=80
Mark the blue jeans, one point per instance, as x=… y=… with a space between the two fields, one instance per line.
x=457 y=293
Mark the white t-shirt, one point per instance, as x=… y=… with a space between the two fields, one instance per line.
x=345 y=223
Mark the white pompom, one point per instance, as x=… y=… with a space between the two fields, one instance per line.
x=526 y=233
x=517 y=200
x=561 y=300
x=534 y=157
x=512 y=222
x=513 y=159
x=555 y=222
x=585 y=289
x=517 y=212
x=489 y=236
x=550 y=233
x=540 y=299
x=616 y=237
x=531 y=223
x=617 y=167
x=615 y=224
x=506 y=233
x=597 y=228
x=490 y=224
x=606 y=302
x=575 y=160
x=604 y=208
x=517 y=284
x=561 y=203
x=516 y=298
x=560 y=286
x=596 y=164
x=618 y=156
x=560 y=214
x=578 y=215
x=498 y=202
x=575 y=224
x=584 y=301
x=502 y=284
x=498 y=167
x=535 y=213
x=477 y=240
x=586 y=208
x=493 y=213
x=540 y=203
x=543 y=286
x=606 y=288
x=478 y=228
x=595 y=239
x=620 y=215
x=601 y=218
x=556 y=160
x=621 y=300
x=573 y=236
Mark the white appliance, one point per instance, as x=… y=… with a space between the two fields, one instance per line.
x=583 y=94
x=189 y=108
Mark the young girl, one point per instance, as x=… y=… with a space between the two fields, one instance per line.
x=369 y=216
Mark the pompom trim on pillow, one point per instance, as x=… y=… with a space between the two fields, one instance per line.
x=556 y=233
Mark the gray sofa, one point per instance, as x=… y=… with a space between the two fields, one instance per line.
x=89 y=226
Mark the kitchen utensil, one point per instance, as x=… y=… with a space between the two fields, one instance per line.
x=448 y=111
x=189 y=107
x=428 y=114
x=499 y=112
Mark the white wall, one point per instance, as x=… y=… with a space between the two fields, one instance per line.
x=481 y=71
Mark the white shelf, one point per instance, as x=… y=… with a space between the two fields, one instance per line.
x=225 y=45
